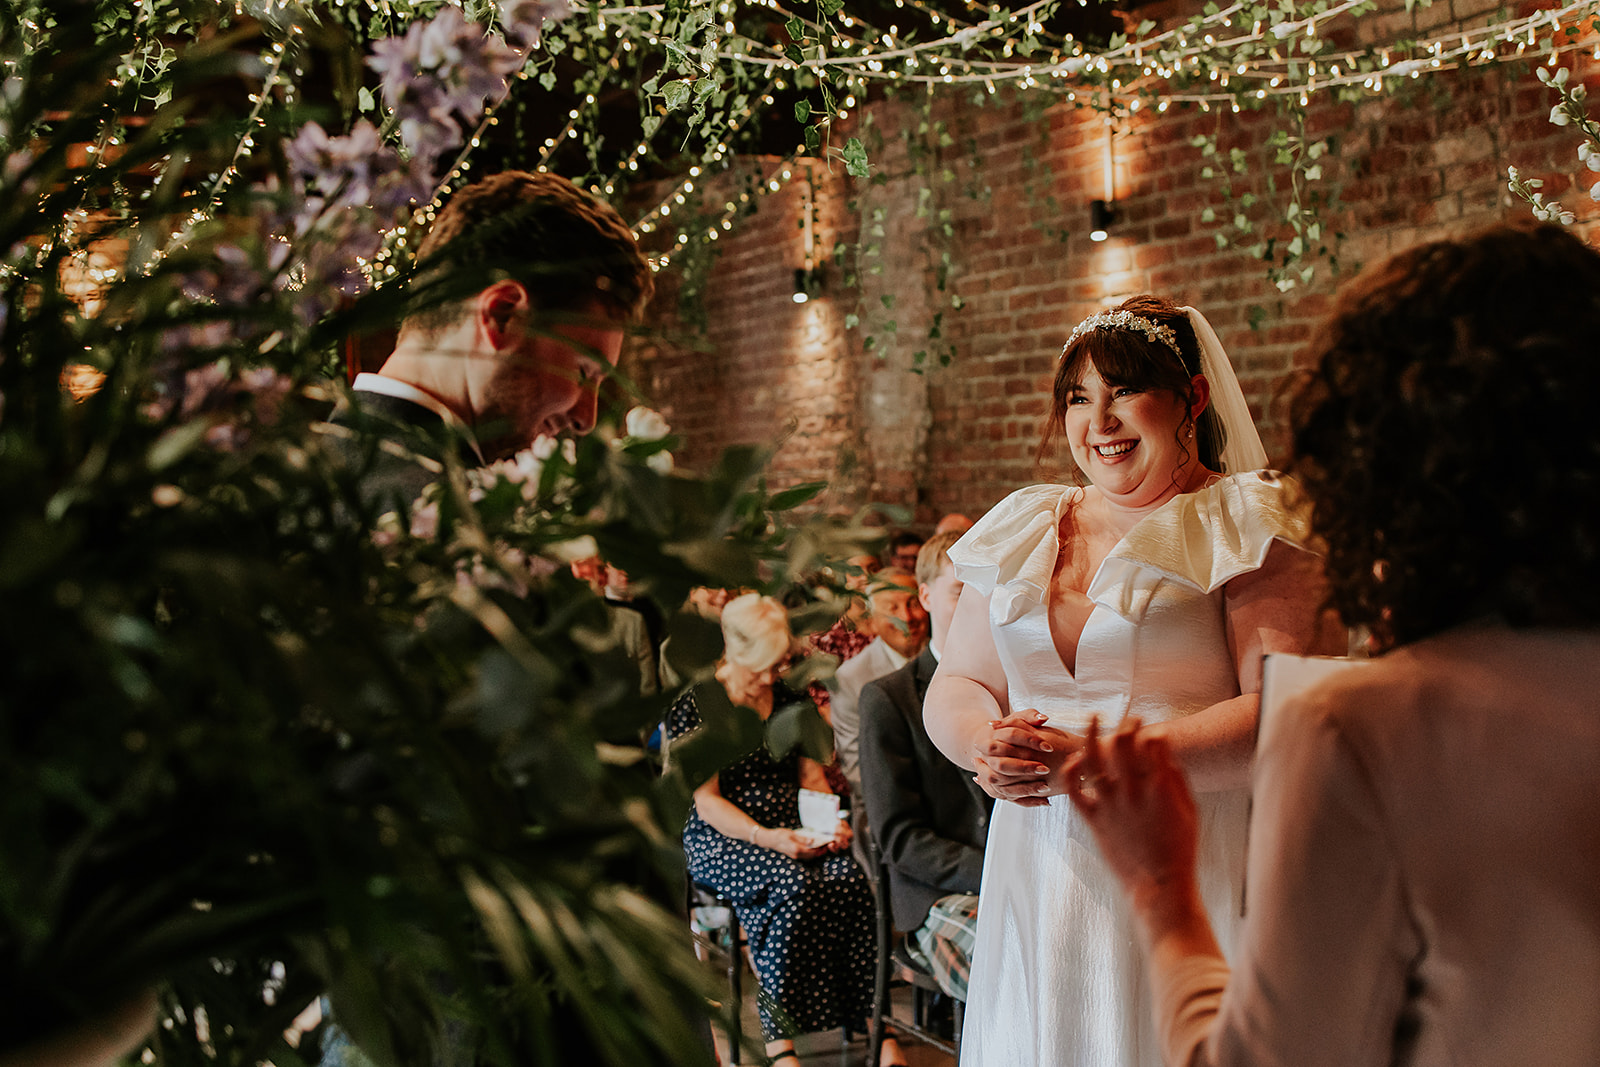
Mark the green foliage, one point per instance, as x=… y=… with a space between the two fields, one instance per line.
x=264 y=738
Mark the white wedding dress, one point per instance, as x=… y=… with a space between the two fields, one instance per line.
x=1057 y=978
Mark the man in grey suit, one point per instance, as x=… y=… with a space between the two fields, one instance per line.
x=899 y=627
x=928 y=816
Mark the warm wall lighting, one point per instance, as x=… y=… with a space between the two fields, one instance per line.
x=1102 y=213
x=807 y=279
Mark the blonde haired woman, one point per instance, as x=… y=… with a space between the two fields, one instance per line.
x=805 y=908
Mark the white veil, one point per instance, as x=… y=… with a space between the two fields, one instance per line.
x=1243 y=451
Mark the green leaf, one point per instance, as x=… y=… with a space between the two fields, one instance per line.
x=798 y=725
x=364 y=99
x=813 y=138
x=796 y=29
x=676 y=94
x=855 y=158
x=887 y=300
x=693 y=644
x=795 y=495
x=176 y=443
x=851 y=321
x=802 y=111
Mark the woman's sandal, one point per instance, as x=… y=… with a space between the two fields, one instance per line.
x=791 y=1054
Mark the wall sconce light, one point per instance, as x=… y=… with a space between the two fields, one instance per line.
x=808 y=279
x=807 y=284
x=1102 y=213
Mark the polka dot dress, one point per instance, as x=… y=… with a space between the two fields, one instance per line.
x=808 y=922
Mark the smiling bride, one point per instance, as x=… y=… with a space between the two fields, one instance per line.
x=1153 y=590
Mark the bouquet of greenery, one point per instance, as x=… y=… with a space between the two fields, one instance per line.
x=262 y=744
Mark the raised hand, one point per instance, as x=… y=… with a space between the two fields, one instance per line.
x=1134 y=797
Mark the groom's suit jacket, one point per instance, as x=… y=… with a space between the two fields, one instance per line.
x=928 y=816
x=400 y=444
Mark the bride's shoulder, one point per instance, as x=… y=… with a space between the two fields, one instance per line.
x=1015 y=539
x=1221 y=531
x=1023 y=508
x=1266 y=501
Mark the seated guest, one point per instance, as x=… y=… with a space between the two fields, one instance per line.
x=901 y=554
x=805 y=908
x=899 y=628
x=1424 y=868
x=635 y=625
x=929 y=817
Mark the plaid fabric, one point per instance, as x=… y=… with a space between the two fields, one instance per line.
x=942 y=945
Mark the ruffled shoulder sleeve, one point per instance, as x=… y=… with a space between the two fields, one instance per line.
x=1206 y=538
x=1012 y=549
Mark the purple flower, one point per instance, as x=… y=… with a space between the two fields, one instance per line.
x=524 y=19
x=442 y=68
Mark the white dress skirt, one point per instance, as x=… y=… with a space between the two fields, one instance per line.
x=1057 y=978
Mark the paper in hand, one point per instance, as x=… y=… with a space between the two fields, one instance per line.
x=819 y=816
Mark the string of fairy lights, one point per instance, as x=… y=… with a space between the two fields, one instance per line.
x=1224 y=57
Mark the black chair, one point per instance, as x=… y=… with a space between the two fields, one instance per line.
x=895 y=964
x=714 y=915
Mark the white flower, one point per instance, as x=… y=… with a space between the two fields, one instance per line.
x=569 y=450
x=1560 y=77
x=572 y=551
x=524 y=469
x=1558 y=116
x=1594 y=191
x=425 y=521
x=544 y=447
x=1579 y=93
x=646 y=424
x=661 y=462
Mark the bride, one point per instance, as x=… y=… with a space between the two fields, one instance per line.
x=1153 y=590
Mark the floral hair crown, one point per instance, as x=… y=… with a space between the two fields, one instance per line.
x=1125 y=320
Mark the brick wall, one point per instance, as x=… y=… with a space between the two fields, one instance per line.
x=957 y=438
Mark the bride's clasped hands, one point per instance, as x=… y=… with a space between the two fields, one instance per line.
x=1023 y=759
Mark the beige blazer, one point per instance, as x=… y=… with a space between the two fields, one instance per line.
x=1424 y=868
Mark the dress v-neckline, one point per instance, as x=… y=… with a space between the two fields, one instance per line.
x=1094 y=579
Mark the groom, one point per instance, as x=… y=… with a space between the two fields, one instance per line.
x=526 y=284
